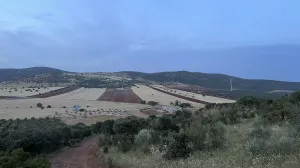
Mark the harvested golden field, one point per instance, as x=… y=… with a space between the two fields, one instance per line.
x=24 y=91
x=148 y=94
x=63 y=108
x=205 y=98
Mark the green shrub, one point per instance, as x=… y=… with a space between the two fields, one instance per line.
x=216 y=135
x=105 y=140
x=226 y=115
x=125 y=142
x=259 y=136
x=143 y=102
x=250 y=101
x=38 y=162
x=178 y=148
x=284 y=145
x=129 y=125
x=143 y=140
x=96 y=128
x=105 y=149
x=197 y=135
x=152 y=103
x=19 y=158
x=164 y=123
x=107 y=127
x=49 y=106
x=185 y=105
x=108 y=160
x=295 y=97
x=40 y=105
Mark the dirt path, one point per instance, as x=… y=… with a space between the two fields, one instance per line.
x=84 y=156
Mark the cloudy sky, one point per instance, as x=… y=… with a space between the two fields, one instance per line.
x=250 y=38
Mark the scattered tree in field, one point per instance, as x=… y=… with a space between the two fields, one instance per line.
x=40 y=105
x=152 y=103
x=49 y=106
x=143 y=102
x=185 y=105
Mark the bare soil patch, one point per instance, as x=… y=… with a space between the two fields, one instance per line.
x=120 y=95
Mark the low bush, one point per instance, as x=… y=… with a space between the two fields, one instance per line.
x=216 y=135
x=152 y=103
x=105 y=140
x=40 y=105
x=179 y=148
x=19 y=158
x=259 y=136
x=109 y=161
x=143 y=140
x=105 y=149
x=206 y=136
x=125 y=142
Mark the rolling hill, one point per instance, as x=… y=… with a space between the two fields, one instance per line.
x=216 y=81
x=216 y=84
x=15 y=74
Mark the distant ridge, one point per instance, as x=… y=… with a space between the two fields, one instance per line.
x=215 y=83
x=14 y=74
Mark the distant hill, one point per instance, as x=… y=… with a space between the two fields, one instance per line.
x=15 y=74
x=216 y=81
x=215 y=84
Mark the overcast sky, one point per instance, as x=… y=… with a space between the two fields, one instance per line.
x=245 y=38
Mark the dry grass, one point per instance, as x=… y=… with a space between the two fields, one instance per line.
x=234 y=156
x=210 y=99
x=21 y=108
x=87 y=94
x=21 y=92
x=149 y=94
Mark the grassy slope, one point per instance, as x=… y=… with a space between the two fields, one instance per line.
x=233 y=156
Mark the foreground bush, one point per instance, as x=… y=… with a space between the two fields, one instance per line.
x=143 y=140
x=204 y=136
x=178 y=148
x=39 y=135
x=259 y=136
x=19 y=158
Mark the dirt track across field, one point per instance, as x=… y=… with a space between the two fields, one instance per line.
x=84 y=156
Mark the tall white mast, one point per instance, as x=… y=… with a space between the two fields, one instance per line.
x=231 y=85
